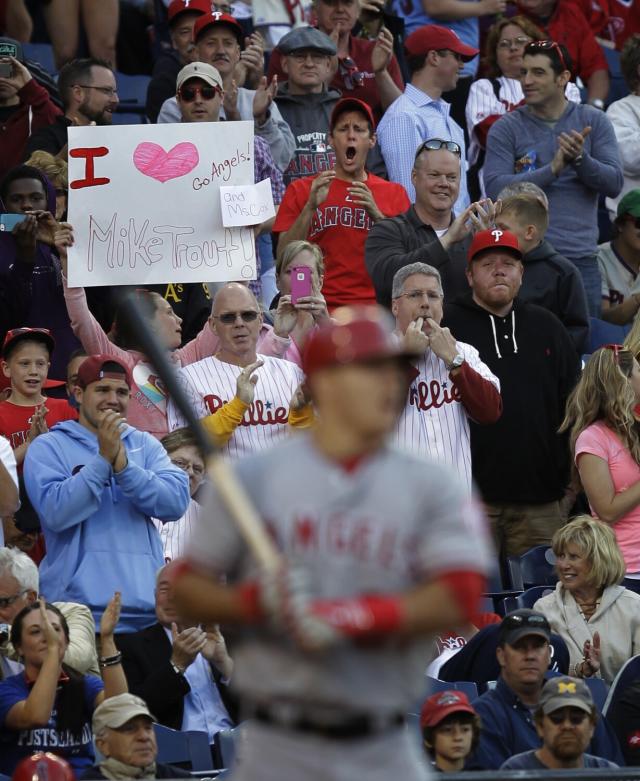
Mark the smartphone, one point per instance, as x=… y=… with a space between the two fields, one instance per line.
x=9 y=221
x=6 y=70
x=301 y=283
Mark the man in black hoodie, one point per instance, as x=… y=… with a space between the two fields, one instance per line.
x=550 y=280
x=304 y=100
x=520 y=463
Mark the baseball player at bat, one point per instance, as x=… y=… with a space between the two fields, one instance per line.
x=379 y=549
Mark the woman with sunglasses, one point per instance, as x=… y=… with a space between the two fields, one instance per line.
x=48 y=707
x=501 y=91
x=148 y=406
x=605 y=441
x=598 y=619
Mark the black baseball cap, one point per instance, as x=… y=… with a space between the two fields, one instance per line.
x=11 y=48
x=523 y=623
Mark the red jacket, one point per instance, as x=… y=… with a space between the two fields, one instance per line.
x=569 y=26
x=35 y=111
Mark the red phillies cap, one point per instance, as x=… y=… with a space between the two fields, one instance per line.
x=354 y=334
x=351 y=104
x=443 y=704
x=212 y=18
x=43 y=766
x=177 y=7
x=93 y=369
x=17 y=335
x=433 y=37
x=493 y=239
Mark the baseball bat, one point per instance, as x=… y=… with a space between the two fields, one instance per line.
x=221 y=474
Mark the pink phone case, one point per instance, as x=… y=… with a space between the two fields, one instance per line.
x=300 y=282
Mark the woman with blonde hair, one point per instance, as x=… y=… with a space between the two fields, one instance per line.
x=605 y=442
x=598 y=619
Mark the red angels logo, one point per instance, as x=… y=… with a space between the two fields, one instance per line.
x=497 y=235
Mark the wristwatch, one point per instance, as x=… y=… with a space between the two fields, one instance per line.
x=176 y=669
x=456 y=362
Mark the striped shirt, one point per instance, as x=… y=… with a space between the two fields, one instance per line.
x=411 y=119
x=210 y=383
x=175 y=536
x=434 y=422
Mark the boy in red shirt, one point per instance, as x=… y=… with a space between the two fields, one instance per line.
x=336 y=208
x=26 y=357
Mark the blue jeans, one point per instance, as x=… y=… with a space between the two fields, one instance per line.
x=590 y=273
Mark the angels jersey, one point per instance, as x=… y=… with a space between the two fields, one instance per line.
x=210 y=383
x=434 y=422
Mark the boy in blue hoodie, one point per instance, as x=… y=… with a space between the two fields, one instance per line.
x=95 y=484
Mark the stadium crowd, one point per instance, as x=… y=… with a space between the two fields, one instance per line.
x=457 y=184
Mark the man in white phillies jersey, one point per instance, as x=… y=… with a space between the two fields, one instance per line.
x=247 y=421
x=379 y=549
x=451 y=383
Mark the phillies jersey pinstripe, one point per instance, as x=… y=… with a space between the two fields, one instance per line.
x=210 y=383
x=434 y=422
x=175 y=536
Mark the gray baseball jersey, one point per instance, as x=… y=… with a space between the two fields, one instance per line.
x=394 y=522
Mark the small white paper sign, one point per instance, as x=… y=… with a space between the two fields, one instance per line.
x=247 y=204
x=143 y=201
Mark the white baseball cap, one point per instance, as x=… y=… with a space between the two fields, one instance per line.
x=200 y=70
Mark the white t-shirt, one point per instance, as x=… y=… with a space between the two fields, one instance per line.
x=9 y=463
x=619 y=281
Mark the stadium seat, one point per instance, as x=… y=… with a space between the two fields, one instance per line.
x=468 y=687
x=180 y=748
x=599 y=691
x=128 y=119
x=633 y=584
x=226 y=745
x=532 y=595
x=602 y=332
x=628 y=674
x=42 y=53
x=533 y=568
x=132 y=94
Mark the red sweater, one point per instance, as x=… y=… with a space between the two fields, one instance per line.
x=34 y=100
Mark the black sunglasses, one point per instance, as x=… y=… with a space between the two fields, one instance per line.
x=206 y=92
x=534 y=46
x=434 y=144
x=248 y=316
x=576 y=717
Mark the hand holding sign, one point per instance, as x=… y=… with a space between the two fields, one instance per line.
x=247 y=204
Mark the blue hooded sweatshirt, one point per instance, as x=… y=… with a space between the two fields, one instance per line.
x=96 y=524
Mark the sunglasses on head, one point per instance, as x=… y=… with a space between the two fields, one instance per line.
x=576 y=717
x=228 y=318
x=20 y=331
x=206 y=92
x=434 y=144
x=616 y=349
x=537 y=46
x=517 y=622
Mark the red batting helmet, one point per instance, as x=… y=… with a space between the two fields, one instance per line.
x=353 y=335
x=43 y=767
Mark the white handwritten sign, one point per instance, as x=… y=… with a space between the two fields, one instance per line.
x=247 y=204
x=143 y=201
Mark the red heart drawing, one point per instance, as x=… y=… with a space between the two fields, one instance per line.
x=151 y=160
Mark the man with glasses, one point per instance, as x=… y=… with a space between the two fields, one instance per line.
x=506 y=712
x=435 y=56
x=428 y=231
x=20 y=587
x=567 y=149
x=565 y=722
x=89 y=95
x=451 y=383
x=242 y=397
x=305 y=100
x=565 y=23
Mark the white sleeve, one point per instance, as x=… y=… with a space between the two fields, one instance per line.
x=626 y=127
x=175 y=419
x=472 y=357
x=481 y=103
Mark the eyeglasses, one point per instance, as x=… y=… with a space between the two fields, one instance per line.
x=228 y=318
x=351 y=76
x=418 y=295
x=109 y=91
x=206 y=92
x=301 y=56
x=187 y=466
x=434 y=144
x=444 y=52
x=533 y=46
x=517 y=622
x=8 y=601
x=576 y=717
x=509 y=43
